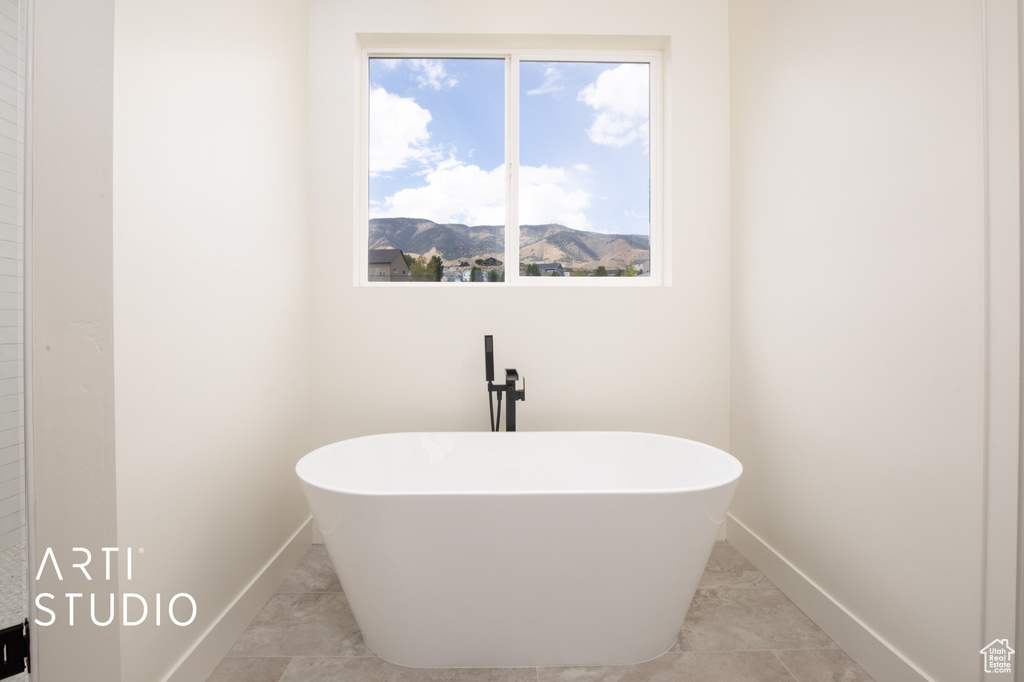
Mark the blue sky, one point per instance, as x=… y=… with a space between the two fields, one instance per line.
x=437 y=142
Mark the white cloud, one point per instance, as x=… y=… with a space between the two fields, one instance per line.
x=621 y=98
x=616 y=131
x=431 y=73
x=398 y=132
x=552 y=82
x=456 y=192
x=543 y=198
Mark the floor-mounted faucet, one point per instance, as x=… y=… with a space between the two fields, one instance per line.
x=509 y=389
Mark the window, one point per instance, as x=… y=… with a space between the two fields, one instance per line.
x=525 y=167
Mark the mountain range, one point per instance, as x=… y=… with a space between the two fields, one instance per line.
x=551 y=243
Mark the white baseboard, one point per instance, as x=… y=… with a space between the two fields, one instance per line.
x=877 y=657
x=217 y=640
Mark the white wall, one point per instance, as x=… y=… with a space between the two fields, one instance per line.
x=859 y=311
x=637 y=359
x=73 y=363
x=211 y=315
x=1020 y=432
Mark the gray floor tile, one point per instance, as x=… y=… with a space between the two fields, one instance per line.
x=728 y=568
x=682 y=644
x=303 y=624
x=733 y=619
x=739 y=628
x=373 y=669
x=822 y=665
x=249 y=670
x=314 y=573
x=705 y=666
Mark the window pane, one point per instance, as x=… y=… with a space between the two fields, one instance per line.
x=437 y=169
x=584 y=169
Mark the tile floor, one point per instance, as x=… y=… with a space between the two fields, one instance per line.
x=740 y=627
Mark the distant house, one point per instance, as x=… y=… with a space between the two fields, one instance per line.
x=491 y=261
x=388 y=265
x=547 y=268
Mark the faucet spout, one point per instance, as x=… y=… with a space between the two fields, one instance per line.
x=512 y=395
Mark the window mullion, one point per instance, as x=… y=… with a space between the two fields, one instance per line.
x=512 y=169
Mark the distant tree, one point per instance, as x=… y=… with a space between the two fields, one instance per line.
x=418 y=270
x=493 y=276
x=464 y=264
x=601 y=271
x=435 y=269
x=630 y=270
x=555 y=273
x=533 y=270
x=408 y=259
x=479 y=261
x=476 y=275
x=618 y=272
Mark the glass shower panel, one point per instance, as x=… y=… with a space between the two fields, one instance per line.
x=13 y=554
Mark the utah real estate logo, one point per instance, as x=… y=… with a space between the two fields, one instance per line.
x=998 y=657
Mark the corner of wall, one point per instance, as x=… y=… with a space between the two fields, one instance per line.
x=875 y=655
x=216 y=641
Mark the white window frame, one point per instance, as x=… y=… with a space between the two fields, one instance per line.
x=659 y=237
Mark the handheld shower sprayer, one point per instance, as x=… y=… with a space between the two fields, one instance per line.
x=489 y=356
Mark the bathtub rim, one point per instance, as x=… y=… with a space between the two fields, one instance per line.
x=731 y=479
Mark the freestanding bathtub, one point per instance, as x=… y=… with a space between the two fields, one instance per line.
x=519 y=549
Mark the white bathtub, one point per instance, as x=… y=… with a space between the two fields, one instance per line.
x=519 y=549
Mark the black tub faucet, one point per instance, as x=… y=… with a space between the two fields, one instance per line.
x=509 y=389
